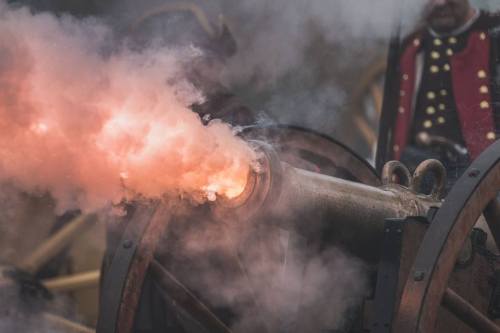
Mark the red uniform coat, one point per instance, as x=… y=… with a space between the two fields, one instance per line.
x=472 y=88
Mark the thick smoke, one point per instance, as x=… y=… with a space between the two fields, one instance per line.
x=274 y=36
x=291 y=61
x=32 y=314
x=277 y=37
x=271 y=279
x=302 y=60
x=92 y=126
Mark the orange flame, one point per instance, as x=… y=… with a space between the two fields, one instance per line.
x=94 y=129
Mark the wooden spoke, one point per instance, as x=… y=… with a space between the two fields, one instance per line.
x=73 y=282
x=57 y=242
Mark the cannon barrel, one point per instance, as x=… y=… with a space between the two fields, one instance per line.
x=352 y=214
x=419 y=266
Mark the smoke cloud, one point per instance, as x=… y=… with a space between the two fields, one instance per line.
x=92 y=126
x=270 y=279
x=93 y=123
x=276 y=38
x=302 y=60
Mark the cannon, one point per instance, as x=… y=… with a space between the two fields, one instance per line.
x=434 y=264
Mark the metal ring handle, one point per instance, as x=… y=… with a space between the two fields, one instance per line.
x=438 y=170
x=395 y=172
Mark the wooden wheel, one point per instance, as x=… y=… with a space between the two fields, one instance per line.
x=366 y=101
x=426 y=288
x=22 y=275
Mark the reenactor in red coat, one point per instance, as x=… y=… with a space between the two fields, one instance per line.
x=447 y=102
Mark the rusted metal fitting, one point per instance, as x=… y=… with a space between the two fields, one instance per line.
x=435 y=168
x=396 y=173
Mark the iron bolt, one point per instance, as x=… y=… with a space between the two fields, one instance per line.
x=474 y=173
x=418 y=276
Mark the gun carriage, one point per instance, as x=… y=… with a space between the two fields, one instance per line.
x=435 y=264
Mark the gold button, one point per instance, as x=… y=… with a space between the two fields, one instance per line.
x=435 y=55
x=491 y=136
x=434 y=69
x=442 y=107
x=416 y=42
x=441 y=120
x=430 y=110
x=446 y=67
x=482 y=36
x=405 y=77
x=395 y=148
x=443 y=92
x=449 y=52
x=438 y=42
x=481 y=74
x=484 y=90
x=401 y=109
x=452 y=40
x=431 y=95
x=427 y=124
x=484 y=105
x=402 y=93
